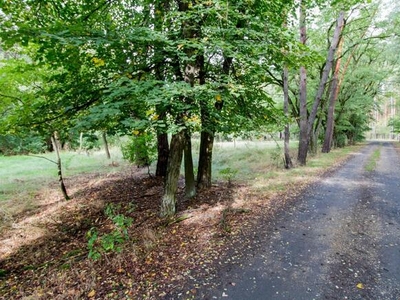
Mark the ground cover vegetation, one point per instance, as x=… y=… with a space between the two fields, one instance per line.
x=172 y=77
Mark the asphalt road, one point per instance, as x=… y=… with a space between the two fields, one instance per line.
x=341 y=240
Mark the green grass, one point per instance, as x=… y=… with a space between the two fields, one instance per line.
x=258 y=163
x=250 y=159
x=371 y=164
x=23 y=176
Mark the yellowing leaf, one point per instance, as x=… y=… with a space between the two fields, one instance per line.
x=360 y=286
x=180 y=46
x=218 y=98
x=98 y=62
x=92 y=294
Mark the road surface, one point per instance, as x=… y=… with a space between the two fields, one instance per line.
x=341 y=240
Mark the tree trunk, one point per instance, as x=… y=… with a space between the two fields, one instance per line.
x=190 y=184
x=288 y=160
x=163 y=152
x=205 y=160
x=59 y=167
x=325 y=72
x=105 y=142
x=326 y=148
x=168 y=204
x=80 y=142
x=303 y=138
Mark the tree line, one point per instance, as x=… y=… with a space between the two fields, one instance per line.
x=152 y=69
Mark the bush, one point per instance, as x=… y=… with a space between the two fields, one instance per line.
x=140 y=150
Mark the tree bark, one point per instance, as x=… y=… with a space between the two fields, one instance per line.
x=105 y=142
x=326 y=70
x=307 y=130
x=168 y=204
x=162 y=152
x=59 y=167
x=326 y=147
x=288 y=160
x=190 y=183
x=303 y=138
x=205 y=160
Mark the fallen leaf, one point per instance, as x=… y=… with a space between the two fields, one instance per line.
x=92 y=294
x=360 y=286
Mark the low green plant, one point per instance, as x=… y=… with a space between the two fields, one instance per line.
x=228 y=174
x=99 y=245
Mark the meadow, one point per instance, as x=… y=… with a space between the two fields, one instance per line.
x=24 y=179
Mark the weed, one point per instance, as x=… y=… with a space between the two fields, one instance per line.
x=228 y=174
x=110 y=242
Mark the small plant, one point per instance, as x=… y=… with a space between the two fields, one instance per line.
x=228 y=174
x=111 y=242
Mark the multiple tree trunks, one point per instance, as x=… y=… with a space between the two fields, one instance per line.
x=307 y=123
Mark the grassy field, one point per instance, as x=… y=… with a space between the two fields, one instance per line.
x=258 y=163
x=22 y=177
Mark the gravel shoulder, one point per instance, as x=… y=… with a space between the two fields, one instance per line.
x=340 y=240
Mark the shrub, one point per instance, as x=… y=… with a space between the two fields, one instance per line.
x=140 y=150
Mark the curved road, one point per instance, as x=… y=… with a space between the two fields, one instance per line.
x=340 y=241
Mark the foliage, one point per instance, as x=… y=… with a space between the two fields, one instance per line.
x=141 y=149
x=90 y=141
x=99 y=245
x=13 y=144
x=395 y=123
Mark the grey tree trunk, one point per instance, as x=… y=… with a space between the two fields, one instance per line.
x=325 y=72
x=303 y=138
x=288 y=160
x=190 y=183
x=105 y=142
x=205 y=160
x=330 y=124
x=168 y=204
x=59 y=167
